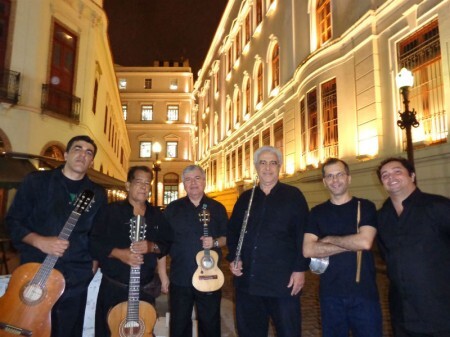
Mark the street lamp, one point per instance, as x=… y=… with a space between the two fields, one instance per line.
x=405 y=80
x=156 y=169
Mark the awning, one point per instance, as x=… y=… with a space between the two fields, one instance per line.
x=14 y=168
x=12 y=171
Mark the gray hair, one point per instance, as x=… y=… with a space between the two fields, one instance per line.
x=191 y=168
x=270 y=149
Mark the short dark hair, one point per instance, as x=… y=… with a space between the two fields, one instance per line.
x=403 y=161
x=84 y=138
x=133 y=169
x=331 y=161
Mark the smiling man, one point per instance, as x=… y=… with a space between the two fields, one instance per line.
x=338 y=229
x=414 y=239
x=37 y=215
x=270 y=274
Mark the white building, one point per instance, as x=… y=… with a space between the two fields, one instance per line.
x=57 y=80
x=316 y=79
x=157 y=104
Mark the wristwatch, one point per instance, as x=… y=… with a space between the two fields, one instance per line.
x=216 y=244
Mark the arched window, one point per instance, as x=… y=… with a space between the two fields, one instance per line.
x=247 y=97
x=237 y=107
x=171 y=182
x=259 y=85
x=275 y=66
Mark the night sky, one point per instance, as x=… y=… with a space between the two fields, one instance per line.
x=141 y=31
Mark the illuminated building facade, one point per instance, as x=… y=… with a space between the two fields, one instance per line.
x=157 y=106
x=57 y=80
x=316 y=79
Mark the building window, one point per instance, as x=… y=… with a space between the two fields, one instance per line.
x=330 y=119
x=229 y=116
x=147 y=112
x=172 y=112
x=266 y=137
x=148 y=83
x=94 y=100
x=125 y=111
x=323 y=19
x=248 y=28
x=312 y=122
x=171 y=149
x=255 y=143
x=259 y=84
x=237 y=108
x=145 y=149
x=276 y=66
x=421 y=53
x=173 y=84
x=259 y=12
x=278 y=135
x=247 y=97
x=239 y=163
x=238 y=45
x=105 y=123
x=170 y=193
x=122 y=83
x=229 y=60
x=303 y=130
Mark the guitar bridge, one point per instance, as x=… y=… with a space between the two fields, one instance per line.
x=15 y=330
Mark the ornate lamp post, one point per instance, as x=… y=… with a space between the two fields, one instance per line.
x=405 y=80
x=156 y=168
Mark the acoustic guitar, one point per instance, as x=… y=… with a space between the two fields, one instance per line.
x=208 y=277
x=34 y=288
x=133 y=318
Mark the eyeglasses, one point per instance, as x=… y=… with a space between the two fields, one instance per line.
x=141 y=183
x=337 y=176
x=271 y=163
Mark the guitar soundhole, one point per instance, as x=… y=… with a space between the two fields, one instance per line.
x=132 y=328
x=32 y=294
x=207 y=262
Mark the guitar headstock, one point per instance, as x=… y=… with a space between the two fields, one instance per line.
x=204 y=215
x=84 y=201
x=138 y=228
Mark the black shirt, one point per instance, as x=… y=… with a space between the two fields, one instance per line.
x=187 y=228
x=339 y=220
x=416 y=247
x=272 y=247
x=112 y=230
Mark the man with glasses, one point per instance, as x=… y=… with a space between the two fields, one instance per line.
x=270 y=273
x=116 y=252
x=188 y=240
x=343 y=229
x=414 y=239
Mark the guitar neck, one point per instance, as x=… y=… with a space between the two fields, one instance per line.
x=133 y=294
x=50 y=260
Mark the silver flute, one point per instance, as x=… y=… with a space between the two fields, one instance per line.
x=244 y=226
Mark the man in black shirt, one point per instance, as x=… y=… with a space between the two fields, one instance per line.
x=188 y=240
x=39 y=212
x=271 y=271
x=414 y=239
x=117 y=251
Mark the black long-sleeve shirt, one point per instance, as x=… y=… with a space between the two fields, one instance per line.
x=112 y=230
x=272 y=247
x=187 y=228
x=416 y=247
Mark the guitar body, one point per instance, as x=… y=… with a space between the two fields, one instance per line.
x=26 y=308
x=117 y=320
x=208 y=277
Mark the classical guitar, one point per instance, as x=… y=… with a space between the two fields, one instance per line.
x=133 y=318
x=208 y=277
x=34 y=288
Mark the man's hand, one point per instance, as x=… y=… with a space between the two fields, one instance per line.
x=297 y=281
x=127 y=256
x=236 y=271
x=207 y=242
x=51 y=245
x=142 y=247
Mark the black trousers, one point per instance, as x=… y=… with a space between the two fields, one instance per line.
x=110 y=294
x=400 y=331
x=182 y=300
x=68 y=314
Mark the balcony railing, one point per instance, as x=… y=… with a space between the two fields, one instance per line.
x=9 y=86
x=60 y=102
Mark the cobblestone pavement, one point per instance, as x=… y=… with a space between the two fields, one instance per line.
x=311 y=325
